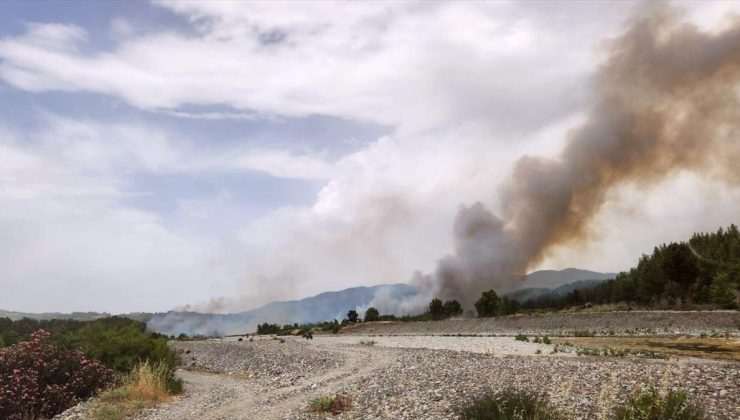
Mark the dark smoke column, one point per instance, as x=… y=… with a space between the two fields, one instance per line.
x=666 y=99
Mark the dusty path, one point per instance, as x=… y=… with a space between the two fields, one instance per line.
x=221 y=396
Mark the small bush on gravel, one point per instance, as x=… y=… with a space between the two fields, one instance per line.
x=328 y=404
x=521 y=337
x=650 y=404
x=510 y=404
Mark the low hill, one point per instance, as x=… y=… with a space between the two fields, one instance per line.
x=552 y=278
x=523 y=295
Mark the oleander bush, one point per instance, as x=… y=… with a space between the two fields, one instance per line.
x=40 y=380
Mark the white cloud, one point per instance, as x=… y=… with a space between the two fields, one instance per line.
x=69 y=242
x=283 y=164
x=412 y=65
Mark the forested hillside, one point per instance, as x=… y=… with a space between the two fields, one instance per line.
x=704 y=270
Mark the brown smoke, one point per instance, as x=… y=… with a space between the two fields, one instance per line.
x=667 y=99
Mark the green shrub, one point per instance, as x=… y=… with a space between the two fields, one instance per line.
x=488 y=304
x=546 y=340
x=436 y=309
x=120 y=343
x=267 y=328
x=328 y=404
x=452 y=308
x=510 y=404
x=720 y=292
x=521 y=337
x=121 y=348
x=587 y=351
x=650 y=404
x=372 y=314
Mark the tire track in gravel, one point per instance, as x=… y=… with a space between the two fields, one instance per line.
x=220 y=397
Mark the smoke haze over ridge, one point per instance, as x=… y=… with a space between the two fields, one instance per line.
x=666 y=100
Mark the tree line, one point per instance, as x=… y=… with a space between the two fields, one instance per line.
x=703 y=271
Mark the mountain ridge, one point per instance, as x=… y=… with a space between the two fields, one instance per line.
x=320 y=307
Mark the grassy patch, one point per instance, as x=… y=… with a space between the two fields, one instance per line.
x=328 y=404
x=521 y=337
x=650 y=404
x=662 y=347
x=145 y=386
x=510 y=405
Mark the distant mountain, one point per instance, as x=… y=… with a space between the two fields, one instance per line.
x=551 y=278
x=523 y=295
x=322 y=307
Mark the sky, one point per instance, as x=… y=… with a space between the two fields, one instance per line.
x=221 y=155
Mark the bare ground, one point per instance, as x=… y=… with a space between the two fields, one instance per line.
x=420 y=377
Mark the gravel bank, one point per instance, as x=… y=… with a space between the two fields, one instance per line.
x=498 y=346
x=432 y=380
x=266 y=361
x=622 y=323
x=433 y=384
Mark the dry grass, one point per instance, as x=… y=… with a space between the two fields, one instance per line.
x=144 y=387
x=706 y=348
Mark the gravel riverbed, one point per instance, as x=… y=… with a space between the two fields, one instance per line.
x=420 y=371
x=430 y=377
x=692 y=323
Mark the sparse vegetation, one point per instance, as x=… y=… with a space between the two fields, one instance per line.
x=650 y=404
x=328 y=404
x=510 y=404
x=145 y=386
x=521 y=337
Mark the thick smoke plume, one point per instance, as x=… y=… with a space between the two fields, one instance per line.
x=666 y=100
